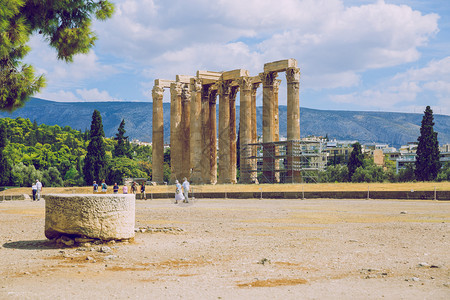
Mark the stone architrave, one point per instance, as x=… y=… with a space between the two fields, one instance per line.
x=158 y=135
x=268 y=80
x=212 y=137
x=185 y=131
x=293 y=121
x=233 y=137
x=196 y=131
x=105 y=217
x=224 y=132
x=175 y=128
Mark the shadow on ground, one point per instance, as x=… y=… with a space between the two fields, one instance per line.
x=32 y=245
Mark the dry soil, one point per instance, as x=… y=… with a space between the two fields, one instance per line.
x=238 y=249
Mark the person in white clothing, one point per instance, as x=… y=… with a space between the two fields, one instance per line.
x=178 y=194
x=38 y=189
x=186 y=190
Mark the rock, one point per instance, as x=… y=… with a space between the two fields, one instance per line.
x=143 y=230
x=67 y=241
x=403 y=212
x=99 y=216
x=415 y=279
x=110 y=257
x=83 y=240
x=89 y=258
x=423 y=264
x=105 y=249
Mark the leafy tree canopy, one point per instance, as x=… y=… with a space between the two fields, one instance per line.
x=66 y=24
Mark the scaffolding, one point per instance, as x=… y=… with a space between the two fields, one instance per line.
x=290 y=161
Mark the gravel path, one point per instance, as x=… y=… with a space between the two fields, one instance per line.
x=238 y=249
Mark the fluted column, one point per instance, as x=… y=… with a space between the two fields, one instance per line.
x=245 y=129
x=158 y=135
x=175 y=127
x=185 y=137
x=254 y=131
x=224 y=132
x=196 y=131
x=206 y=129
x=212 y=137
x=233 y=149
x=293 y=118
x=276 y=125
x=268 y=79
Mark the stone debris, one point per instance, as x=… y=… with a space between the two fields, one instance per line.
x=374 y=273
x=67 y=241
x=423 y=264
x=403 y=212
x=149 y=229
x=80 y=242
x=105 y=249
x=83 y=240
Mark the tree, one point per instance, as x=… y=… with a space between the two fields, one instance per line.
x=122 y=148
x=65 y=24
x=5 y=168
x=95 y=162
x=427 y=154
x=355 y=161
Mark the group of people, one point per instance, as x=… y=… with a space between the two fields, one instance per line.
x=134 y=188
x=36 y=188
x=182 y=191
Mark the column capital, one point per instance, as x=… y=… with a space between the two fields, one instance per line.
x=176 y=88
x=212 y=96
x=157 y=92
x=233 y=93
x=293 y=75
x=224 y=87
x=245 y=83
x=185 y=93
x=196 y=85
x=268 y=78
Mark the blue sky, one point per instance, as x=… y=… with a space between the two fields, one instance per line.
x=391 y=55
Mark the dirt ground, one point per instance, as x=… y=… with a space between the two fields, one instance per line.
x=238 y=249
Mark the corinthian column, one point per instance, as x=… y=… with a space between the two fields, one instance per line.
x=206 y=129
x=245 y=129
x=268 y=79
x=175 y=127
x=276 y=125
x=212 y=137
x=185 y=132
x=293 y=121
x=196 y=131
x=224 y=132
x=158 y=135
x=254 y=132
x=233 y=149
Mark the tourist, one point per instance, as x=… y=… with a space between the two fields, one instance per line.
x=143 y=190
x=186 y=190
x=95 y=186
x=134 y=188
x=125 y=189
x=34 y=190
x=115 y=188
x=38 y=189
x=104 y=186
x=178 y=195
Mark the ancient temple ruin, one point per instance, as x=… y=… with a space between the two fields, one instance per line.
x=195 y=150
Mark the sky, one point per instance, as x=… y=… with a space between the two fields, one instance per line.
x=391 y=55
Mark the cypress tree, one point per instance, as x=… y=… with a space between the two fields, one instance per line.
x=122 y=148
x=355 y=161
x=95 y=161
x=427 y=154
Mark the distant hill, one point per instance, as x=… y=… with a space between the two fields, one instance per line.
x=394 y=129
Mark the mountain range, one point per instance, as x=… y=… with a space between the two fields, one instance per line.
x=391 y=128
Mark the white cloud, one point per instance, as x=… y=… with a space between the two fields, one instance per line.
x=94 y=95
x=411 y=89
x=81 y=95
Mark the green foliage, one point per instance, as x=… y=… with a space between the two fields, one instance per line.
x=336 y=173
x=427 y=154
x=407 y=174
x=22 y=175
x=66 y=24
x=444 y=173
x=122 y=167
x=51 y=177
x=355 y=161
x=95 y=162
x=122 y=148
x=5 y=167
